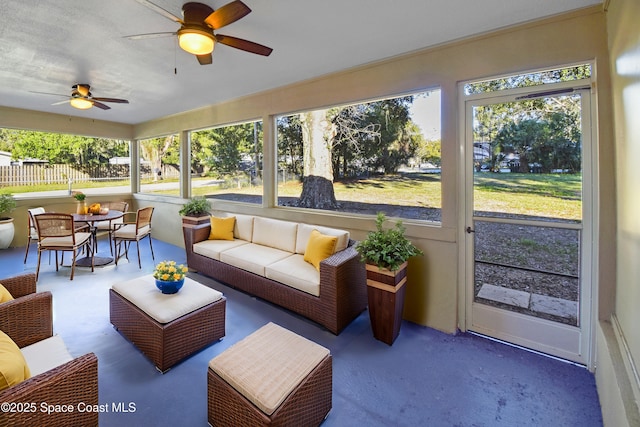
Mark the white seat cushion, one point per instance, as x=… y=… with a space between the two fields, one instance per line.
x=212 y=248
x=253 y=257
x=164 y=308
x=46 y=354
x=294 y=271
x=66 y=240
x=129 y=231
x=268 y=365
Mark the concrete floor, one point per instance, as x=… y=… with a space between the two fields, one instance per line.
x=427 y=378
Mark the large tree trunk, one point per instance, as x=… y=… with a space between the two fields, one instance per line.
x=317 y=186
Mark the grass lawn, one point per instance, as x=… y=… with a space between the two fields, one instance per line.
x=548 y=195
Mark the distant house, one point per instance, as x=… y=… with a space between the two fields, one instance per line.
x=5 y=160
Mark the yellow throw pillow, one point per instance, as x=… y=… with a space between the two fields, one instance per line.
x=222 y=228
x=5 y=295
x=319 y=247
x=13 y=367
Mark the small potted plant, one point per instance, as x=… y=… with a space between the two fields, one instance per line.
x=169 y=276
x=195 y=211
x=7 y=229
x=82 y=207
x=386 y=253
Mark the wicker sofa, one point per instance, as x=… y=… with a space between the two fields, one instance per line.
x=265 y=259
x=56 y=377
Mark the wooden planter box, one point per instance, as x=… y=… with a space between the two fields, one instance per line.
x=386 y=292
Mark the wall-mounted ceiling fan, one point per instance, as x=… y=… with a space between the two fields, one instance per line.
x=82 y=99
x=196 y=34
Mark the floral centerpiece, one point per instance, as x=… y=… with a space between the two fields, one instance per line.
x=169 y=276
x=79 y=196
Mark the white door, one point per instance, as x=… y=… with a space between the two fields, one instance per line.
x=530 y=199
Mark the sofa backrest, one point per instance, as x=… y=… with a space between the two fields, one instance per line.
x=275 y=233
x=304 y=231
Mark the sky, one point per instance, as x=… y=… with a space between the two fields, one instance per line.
x=425 y=112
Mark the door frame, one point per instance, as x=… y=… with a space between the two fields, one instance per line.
x=589 y=241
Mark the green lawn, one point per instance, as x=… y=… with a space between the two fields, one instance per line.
x=550 y=195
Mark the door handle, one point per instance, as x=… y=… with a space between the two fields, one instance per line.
x=470 y=230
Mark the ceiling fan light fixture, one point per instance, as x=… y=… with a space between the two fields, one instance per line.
x=195 y=41
x=81 y=103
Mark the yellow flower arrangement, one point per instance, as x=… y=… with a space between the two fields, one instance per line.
x=169 y=271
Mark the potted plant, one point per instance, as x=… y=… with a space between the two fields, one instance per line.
x=386 y=253
x=195 y=211
x=7 y=229
x=169 y=276
x=82 y=207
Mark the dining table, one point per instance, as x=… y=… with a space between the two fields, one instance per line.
x=90 y=220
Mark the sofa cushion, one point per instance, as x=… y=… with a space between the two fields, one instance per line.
x=275 y=233
x=212 y=248
x=295 y=272
x=13 y=367
x=243 y=228
x=46 y=354
x=222 y=228
x=253 y=257
x=5 y=295
x=304 y=231
x=319 y=247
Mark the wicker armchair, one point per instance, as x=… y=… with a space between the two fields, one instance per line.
x=28 y=319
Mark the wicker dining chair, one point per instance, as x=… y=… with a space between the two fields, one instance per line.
x=108 y=227
x=57 y=232
x=32 y=231
x=133 y=232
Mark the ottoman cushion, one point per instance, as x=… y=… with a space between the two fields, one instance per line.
x=165 y=308
x=267 y=365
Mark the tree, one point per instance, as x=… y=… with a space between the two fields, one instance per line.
x=317 y=186
x=155 y=149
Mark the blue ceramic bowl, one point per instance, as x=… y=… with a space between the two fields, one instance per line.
x=169 y=287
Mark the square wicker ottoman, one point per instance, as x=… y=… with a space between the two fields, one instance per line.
x=167 y=328
x=271 y=377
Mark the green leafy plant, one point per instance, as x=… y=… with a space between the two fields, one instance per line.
x=195 y=207
x=386 y=248
x=7 y=204
x=79 y=196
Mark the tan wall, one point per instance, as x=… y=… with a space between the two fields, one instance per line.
x=433 y=286
x=619 y=355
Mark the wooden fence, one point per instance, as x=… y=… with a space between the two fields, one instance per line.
x=61 y=174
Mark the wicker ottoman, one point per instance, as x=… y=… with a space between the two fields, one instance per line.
x=271 y=377
x=167 y=328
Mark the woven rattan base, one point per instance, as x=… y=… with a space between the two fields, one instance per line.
x=307 y=405
x=167 y=344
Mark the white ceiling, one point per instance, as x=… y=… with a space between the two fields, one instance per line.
x=48 y=46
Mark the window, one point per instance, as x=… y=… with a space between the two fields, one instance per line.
x=364 y=158
x=35 y=162
x=226 y=162
x=160 y=165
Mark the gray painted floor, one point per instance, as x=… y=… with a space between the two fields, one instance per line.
x=427 y=378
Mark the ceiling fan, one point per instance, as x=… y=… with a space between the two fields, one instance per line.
x=196 y=34
x=82 y=99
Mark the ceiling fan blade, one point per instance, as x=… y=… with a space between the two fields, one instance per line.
x=244 y=45
x=160 y=11
x=205 y=59
x=100 y=105
x=119 y=101
x=48 y=93
x=61 y=102
x=150 y=35
x=227 y=14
